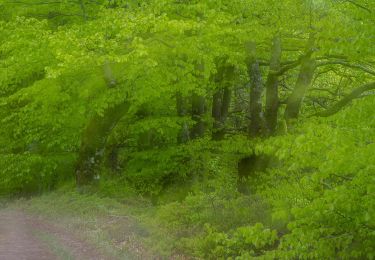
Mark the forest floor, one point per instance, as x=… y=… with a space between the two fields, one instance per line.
x=70 y=226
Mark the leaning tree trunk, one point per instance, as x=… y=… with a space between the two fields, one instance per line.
x=272 y=86
x=304 y=80
x=307 y=70
x=93 y=143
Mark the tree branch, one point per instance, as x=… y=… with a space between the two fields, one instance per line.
x=359 y=6
x=347 y=64
x=287 y=67
x=357 y=92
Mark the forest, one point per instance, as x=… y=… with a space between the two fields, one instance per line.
x=229 y=129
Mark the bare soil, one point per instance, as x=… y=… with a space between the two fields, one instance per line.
x=27 y=237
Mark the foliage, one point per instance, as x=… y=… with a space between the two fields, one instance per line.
x=186 y=71
x=25 y=174
x=242 y=243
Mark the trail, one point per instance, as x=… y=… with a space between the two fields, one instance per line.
x=26 y=237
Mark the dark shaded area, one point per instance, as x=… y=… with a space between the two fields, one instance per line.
x=247 y=167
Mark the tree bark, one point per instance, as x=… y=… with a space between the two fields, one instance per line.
x=272 y=86
x=221 y=102
x=184 y=134
x=306 y=73
x=256 y=124
x=93 y=143
x=227 y=96
x=303 y=83
x=216 y=111
x=198 y=110
x=198 y=107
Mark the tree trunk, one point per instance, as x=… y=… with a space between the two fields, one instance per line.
x=216 y=113
x=272 y=87
x=184 y=134
x=227 y=96
x=93 y=143
x=111 y=160
x=256 y=124
x=303 y=83
x=221 y=102
x=308 y=66
x=198 y=110
x=198 y=107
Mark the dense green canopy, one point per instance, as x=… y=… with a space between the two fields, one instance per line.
x=158 y=93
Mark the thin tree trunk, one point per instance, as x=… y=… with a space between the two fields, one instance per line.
x=93 y=143
x=272 y=87
x=216 y=113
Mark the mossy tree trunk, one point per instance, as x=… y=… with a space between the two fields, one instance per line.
x=93 y=143
x=304 y=80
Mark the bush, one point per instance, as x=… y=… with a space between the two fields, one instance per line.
x=241 y=243
x=26 y=174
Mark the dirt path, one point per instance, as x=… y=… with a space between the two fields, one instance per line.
x=26 y=237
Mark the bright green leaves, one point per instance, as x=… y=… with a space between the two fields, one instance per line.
x=241 y=243
x=53 y=80
x=24 y=54
x=325 y=181
x=26 y=173
x=340 y=223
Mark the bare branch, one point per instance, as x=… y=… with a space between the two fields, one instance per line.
x=347 y=64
